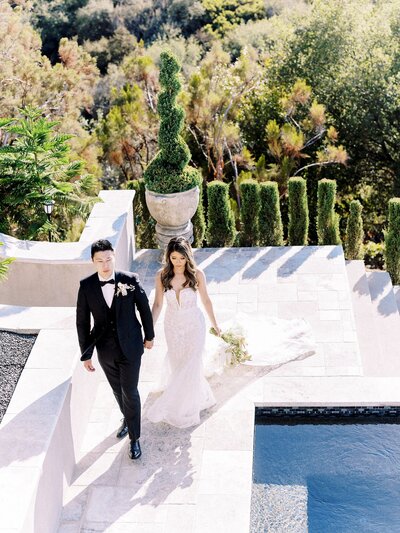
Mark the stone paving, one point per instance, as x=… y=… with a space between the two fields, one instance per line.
x=199 y=479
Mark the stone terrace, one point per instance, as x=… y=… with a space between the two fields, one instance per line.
x=199 y=479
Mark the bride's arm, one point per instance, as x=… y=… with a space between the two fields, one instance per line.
x=201 y=278
x=158 y=298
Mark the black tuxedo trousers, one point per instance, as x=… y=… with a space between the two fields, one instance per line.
x=123 y=376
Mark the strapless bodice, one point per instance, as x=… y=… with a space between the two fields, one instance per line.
x=185 y=299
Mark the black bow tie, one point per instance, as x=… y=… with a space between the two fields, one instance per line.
x=102 y=283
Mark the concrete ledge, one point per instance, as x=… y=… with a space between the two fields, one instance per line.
x=396 y=290
x=43 y=427
x=47 y=274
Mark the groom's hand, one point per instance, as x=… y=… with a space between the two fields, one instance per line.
x=148 y=344
x=88 y=365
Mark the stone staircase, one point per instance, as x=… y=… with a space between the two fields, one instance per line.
x=376 y=305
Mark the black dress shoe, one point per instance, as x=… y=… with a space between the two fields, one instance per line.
x=134 y=451
x=123 y=430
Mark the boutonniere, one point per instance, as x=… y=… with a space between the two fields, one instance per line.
x=123 y=288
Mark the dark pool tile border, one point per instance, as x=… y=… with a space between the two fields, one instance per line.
x=331 y=412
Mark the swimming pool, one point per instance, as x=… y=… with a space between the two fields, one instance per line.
x=326 y=470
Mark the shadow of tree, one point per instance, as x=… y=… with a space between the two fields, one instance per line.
x=264 y=261
x=295 y=261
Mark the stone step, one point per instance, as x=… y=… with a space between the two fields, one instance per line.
x=387 y=321
x=366 y=327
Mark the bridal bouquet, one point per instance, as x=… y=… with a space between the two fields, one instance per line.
x=235 y=345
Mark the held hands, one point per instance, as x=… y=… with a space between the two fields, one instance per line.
x=148 y=344
x=88 y=365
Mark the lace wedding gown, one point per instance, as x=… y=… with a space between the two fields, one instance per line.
x=186 y=391
x=270 y=342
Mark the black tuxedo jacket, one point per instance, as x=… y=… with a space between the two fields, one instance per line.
x=91 y=302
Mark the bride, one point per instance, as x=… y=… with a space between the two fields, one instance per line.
x=187 y=391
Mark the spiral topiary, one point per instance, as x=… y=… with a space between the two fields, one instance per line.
x=355 y=232
x=168 y=172
x=392 y=241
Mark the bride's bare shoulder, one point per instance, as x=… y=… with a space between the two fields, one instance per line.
x=200 y=274
x=158 y=275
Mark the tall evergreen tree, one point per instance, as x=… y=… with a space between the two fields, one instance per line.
x=270 y=220
x=298 y=212
x=327 y=220
x=355 y=232
x=221 y=223
x=392 y=241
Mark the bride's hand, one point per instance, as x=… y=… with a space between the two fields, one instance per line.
x=217 y=330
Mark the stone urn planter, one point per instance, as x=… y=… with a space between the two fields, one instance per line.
x=173 y=213
x=172 y=185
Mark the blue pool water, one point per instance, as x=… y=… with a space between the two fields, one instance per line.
x=326 y=476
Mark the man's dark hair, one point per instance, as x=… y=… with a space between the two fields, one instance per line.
x=102 y=245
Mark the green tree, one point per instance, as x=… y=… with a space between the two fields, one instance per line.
x=128 y=136
x=221 y=222
x=249 y=212
x=214 y=94
x=298 y=212
x=199 y=221
x=392 y=241
x=55 y=20
x=293 y=142
x=95 y=20
x=270 y=220
x=35 y=168
x=145 y=225
x=328 y=220
x=223 y=15
x=4 y=264
x=169 y=171
x=355 y=232
x=63 y=92
x=112 y=50
x=349 y=52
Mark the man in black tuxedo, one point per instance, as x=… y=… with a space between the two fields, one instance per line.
x=111 y=298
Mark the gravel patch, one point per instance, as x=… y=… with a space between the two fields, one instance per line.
x=14 y=352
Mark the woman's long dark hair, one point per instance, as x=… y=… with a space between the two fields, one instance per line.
x=181 y=246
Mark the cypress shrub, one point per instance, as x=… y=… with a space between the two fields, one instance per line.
x=392 y=241
x=221 y=222
x=145 y=225
x=270 y=220
x=298 y=212
x=199 y=221
x=249 y=212
x=355 y=232
x=327 y=219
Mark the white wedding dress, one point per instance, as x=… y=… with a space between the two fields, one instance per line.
x=186 y=390
x=270 y=342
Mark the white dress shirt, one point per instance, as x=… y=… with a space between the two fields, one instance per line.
x=108 y=290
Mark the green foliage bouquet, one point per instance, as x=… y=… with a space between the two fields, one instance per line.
x=235 y=348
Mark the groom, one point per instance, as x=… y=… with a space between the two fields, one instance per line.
x=111 y=298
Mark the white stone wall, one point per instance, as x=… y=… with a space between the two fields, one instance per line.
x=47 y=274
